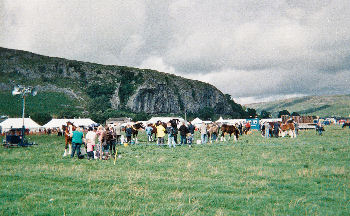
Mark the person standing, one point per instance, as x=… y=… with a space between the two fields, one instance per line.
x=319 y=128
x=204 y=133
x=183 y=131
x=106 y=143
x=267 y=130
x=128 y=133
x=118 y=133
x=77 y=140
x=170 y=131
x=99 y=134
x=160 y=134
x=111 y=140
x=149 y=130
x=296 y=126
x=247 y=127
x=240 y=128
x=176 y=131
x=191 y=130
x=276 y=129
x=90 y=143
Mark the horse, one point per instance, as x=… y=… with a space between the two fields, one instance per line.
x=154 y=131
x=288 y=127
x=135 y=130
x=69 y=128
x=174 y=123
x=154 y=128
x=346 y=124
x=211 y=130
x=230 y=129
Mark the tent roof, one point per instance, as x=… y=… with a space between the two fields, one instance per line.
x=164 y=119
x=262 y=121
x=220 y=119
x=18 y=123
x=54 y=123
x=196 y=121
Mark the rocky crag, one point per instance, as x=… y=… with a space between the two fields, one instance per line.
x=113 y=87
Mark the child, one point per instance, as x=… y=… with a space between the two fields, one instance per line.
x=189 y=139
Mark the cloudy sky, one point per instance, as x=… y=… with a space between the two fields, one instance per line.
x=254 y=50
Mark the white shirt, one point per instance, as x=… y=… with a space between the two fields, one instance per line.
x=90 y=138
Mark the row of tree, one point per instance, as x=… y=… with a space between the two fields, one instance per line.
x=266 y=114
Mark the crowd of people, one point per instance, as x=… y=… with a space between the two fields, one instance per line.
x=101 y=142
x=273 y=129
x=186 y=133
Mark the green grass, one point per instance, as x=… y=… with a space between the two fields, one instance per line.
x=304 y=176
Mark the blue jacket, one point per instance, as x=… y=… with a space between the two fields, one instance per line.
x=128 y=132
x=148 y=130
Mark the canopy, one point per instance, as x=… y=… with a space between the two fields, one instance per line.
x=18 y=123
x=57 y=123
x=164 y=119
x=196 y=121
x=262 y=121
x=220 y=120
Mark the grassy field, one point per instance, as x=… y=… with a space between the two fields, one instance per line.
x=308 y=175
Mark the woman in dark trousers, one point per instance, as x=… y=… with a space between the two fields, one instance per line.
x=111 y=140
x=191 y=130
x=183 y=131
x=128 y=133
x=77 y=140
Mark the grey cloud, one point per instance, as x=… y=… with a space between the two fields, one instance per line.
x=247 y=48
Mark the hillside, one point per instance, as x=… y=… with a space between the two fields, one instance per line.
x=87 y=89
x=330 y=105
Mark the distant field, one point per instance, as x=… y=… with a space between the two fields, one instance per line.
x=324 y=106
x=308 y=175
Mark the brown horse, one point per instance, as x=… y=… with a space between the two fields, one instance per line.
x=229 y=129
x=154 y=131
x=135 y=130
x=212 y=129
x=288 y=128
x=69 y=128
x=154 y=128
x=346 y=124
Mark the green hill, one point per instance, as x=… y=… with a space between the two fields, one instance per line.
x=329 y=105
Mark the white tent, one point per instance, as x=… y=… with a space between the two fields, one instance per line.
x=231 y=121
x=208 y=122
x=220 y=120
x=196 y=121
x=18 y=123
x=82 y=122
x=236 y=121
x=57 y=123
x=164 y=119
x=262 y=121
